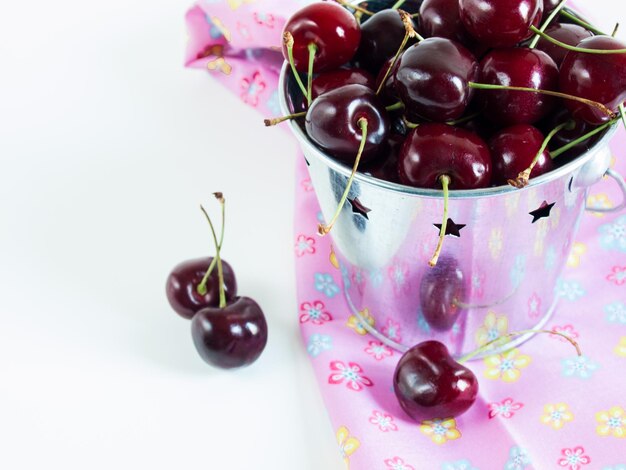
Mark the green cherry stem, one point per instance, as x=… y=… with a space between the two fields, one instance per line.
x=560 y=151
x=201 y=289
x=288 y=42
x=464 y=119
x=324 y=229
x=546 y=23
x=502 y=340
x=409 y=32
x=595 y=104
x=220 y=272
x=395 y=106
x=278 y=120
x=581 y=22
x=622 y=113
x=347 y=4
x=615 y=30
x=445 y=183
x=522 y=178
x=312 y=51
x=398 y=4
x=574 y=48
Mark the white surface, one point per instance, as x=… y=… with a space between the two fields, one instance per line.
x=107 y=146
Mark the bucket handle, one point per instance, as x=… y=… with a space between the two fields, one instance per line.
x=619 y=179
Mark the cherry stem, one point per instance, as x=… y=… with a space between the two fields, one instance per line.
x=575 y=48
x=354 y=7
x=464 y=119
x=395 y=107
x=560 y=151
x=312 y=51
x=615 y=30
x=582 y=23
x=220 y=272
x=288 y=42
x=409 y=124
x=595 y=104
x=398 y=4
x=622 y=113
x=409 y=32
x=504 y=340
x=445 y=182
x=201 y=289
x=324 y=229
x=278 y=120
x=522 y=178
x=546 y=23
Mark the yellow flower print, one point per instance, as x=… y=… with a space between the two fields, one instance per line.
x=599 y=200
x=506 y=366
x=557 y=415
x=347 y=444
x=494 y=327
x=221 y=65
x=355 y=323
x=620 y=349
x=578 y=250
x=234 y=4
x=612 y=422
x=495 y=243
x=333 y=258
x=440 y=430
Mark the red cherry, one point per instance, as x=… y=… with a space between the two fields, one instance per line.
x=331 y=28
x=521 y=67
x=441 y=290
x=183 y=280
x=430 y=384
x=565 y=136
x=433 y=150
x=513 y=149
x=385 y=166
x=597 y=77
x=500 y=23
x=327 y=81
x=570 y=34
x=432 y=79
x=229 y=337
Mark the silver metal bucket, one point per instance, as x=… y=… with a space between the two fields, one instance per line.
x=509 y=260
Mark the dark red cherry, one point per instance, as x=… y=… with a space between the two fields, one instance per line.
x=432 y=79
x=521 y=67
x=433 y=150
x=565 y=136
x=500 y=23
x=385 y=166
x=549 y=6
x=332 y=122
x=327 y=81
x=513 y=149
x=570 y=34
x=381 y=37
x=229 y=337
x=334 y=31
x=430 y=384
x=388 y=94
x=441 y=290
x=597 y=77
x=183 y=280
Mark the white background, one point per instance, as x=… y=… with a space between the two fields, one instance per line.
x=107 y=146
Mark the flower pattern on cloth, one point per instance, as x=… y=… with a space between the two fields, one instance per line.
x=613 y=235
x=304 y=245
x=616 y=313
x=580 y=366
x=356 y=323
x=391 y=330
x=518 y=459
x=378 y=350
x=570 y=290
x=384 y=421
x=325 y=284
x=350 y=373
x=506 y=366
x=319 y=343
x=575 y=256
x=556 y=416
x=348 y=444
x=567 y=330
x=617 y=275
x=612 y=422
x=574 y=459
x=314 y=312
x=534 y=306
x=506 y=408
x=440 y=430
x=620 y=349
x=493 y=328
x=396 y=463
x=458 y=465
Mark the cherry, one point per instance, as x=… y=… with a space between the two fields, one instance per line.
x=566 y=136
x=388 y=93
x=381 y=36
x=596 y=77
x=433 y=78
x=520 y=67
x=441 y=290
x=230 y=336
x=327 y=81
x=549 y=6
x=332 y=122
x=500 y=23
x=433 y=150
x=330 y=28
x=571 y=34
x=385 y=167
x=513 y=149
x=183 y=281
x=430 y=384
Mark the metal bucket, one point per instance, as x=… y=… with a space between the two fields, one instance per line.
x=506 y=261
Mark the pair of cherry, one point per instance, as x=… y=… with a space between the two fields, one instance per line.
x=228 y=331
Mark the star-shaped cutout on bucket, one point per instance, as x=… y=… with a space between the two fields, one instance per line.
x=452 y=228
x=543 y=212
x=359 y=208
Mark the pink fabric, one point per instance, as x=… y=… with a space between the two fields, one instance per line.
x=539 y=407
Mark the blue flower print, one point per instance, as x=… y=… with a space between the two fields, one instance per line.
x=458 y=465
x=518 y=272
x=376 y=277
x=273 y=104
x=422 y=323
x=518 y=459
x=616 y=467
x=616 y=313
x=579 y=366
x=613 y=235
x=326 y=284
x=571 y=290
x=318 y=344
